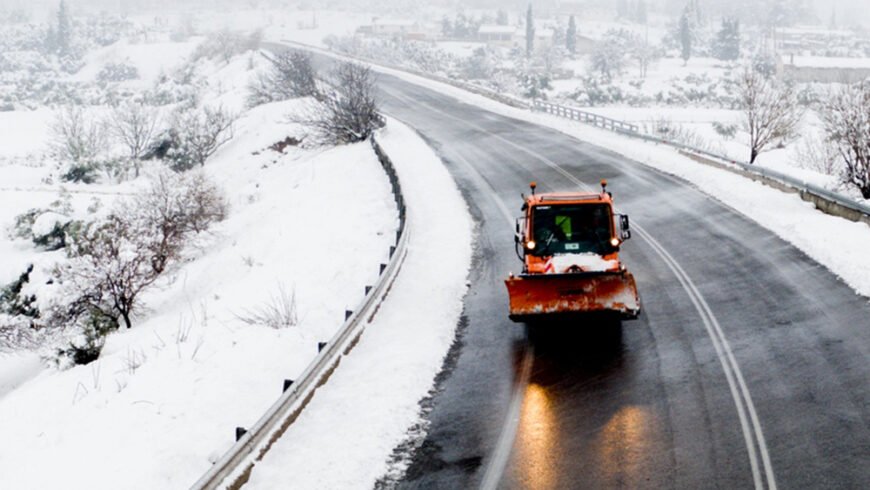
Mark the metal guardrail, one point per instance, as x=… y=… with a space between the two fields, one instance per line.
x=583 y=116
x=234 y=467
x=826 y=200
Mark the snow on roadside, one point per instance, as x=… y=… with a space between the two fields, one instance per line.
x=354 y=422
x=836 y=243
x=164 y=397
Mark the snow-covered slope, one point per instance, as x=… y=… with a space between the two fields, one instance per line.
x=165 y=396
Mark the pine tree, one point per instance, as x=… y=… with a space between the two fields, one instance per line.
x=726 y=45
x=685 y=36
x=64 y=32
x=571 y=36
x=501 y=18
x=530 y=32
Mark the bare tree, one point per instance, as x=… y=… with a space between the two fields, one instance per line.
x=290 y=75
x=847 y=123
x=112 y=261
x=77 y=137
x=135 y=125
x=197 y=135
x=348 y=111
x=771 y=111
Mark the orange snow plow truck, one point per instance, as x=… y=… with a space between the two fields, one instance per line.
x=569 y=245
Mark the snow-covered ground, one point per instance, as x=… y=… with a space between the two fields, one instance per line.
x=356 y=420
x=162 y=401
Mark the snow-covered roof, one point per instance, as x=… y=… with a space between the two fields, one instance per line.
x=496 y=29
x=828 y=62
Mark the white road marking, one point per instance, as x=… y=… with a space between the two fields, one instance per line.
x=733 y=375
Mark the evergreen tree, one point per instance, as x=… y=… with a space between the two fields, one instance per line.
x=501 y=18
x=685 y=36
x=530 y=32
x=726 y=45
x=571 y=36
x=64 y=31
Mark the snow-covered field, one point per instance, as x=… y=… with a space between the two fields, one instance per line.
x=163 y=400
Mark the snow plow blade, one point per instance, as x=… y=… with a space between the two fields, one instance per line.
x=537 y=296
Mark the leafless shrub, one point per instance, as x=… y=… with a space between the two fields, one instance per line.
x=197 y=135
x=817 y=154
x=76 y=136
x=771 y=111
x=288 y=76
x=112 y=261
x=347 y=112
x=678 y=133
x=225 y=44
x=278 y=312
x=135 y=125
x=847 y=123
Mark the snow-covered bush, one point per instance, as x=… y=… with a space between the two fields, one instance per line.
x=725 y=130
x=77 y=136
x=533 y=84
x=225 y=44
x=480 y=65
x=847 y=123
x=18 y=313
x=14 y=302
x=196 y=135
x=115 y=259
x=117 y=72
x=135 y=125
x=288 y=76
x=348 y=111
x=611 y=53
x=817 y=154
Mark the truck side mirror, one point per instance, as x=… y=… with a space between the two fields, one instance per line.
x=624 y=226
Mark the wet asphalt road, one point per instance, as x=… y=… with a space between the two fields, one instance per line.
x=647 y=404
x=655 y=402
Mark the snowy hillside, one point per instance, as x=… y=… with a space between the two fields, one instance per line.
x=304 y=234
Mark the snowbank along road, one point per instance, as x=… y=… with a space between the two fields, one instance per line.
x=747 y=369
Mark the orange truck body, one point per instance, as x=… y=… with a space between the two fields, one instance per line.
x=579 y=272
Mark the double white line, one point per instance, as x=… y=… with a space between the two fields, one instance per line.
x=749 y=423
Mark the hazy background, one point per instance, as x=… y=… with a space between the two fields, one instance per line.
x=844 y=13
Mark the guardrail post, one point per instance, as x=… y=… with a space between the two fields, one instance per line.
x=240 y=432
x=347 y=314
x=321 y=346
x=287 y=384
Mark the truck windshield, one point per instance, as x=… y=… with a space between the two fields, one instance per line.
x=574 y=229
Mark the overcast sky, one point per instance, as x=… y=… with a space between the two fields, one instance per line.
x=846 y=11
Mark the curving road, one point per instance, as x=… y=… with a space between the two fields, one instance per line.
x=749 y=367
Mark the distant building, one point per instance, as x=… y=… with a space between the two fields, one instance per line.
x=585 y=45
x=406 y=29
x=818 y=69
x=497 y=35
